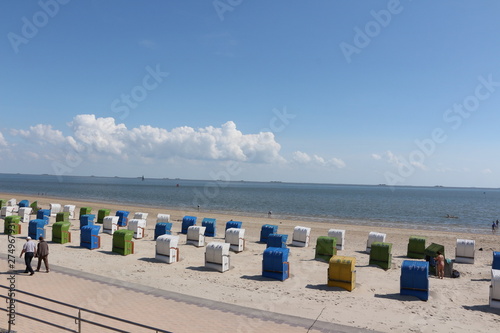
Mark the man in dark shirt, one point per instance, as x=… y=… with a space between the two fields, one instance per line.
x=42 y=252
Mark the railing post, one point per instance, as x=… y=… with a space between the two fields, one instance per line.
x=79 y=321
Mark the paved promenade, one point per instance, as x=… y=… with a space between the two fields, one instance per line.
x=169 y=311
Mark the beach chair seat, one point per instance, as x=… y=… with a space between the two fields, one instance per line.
x=414 y=279
x=23 y=203
x=496 y=260
x=12 y=203
x=495 y=289
x=465 y=251
x=123 y=242
x=36 y=229
x=85 y=211
x=277 y=240
x=141 y=216
x=210 y=225
x=342 y=272
x=416 y=247
x=71 y=210
x=61 y=233
x=326 y=247
x=43 y=214
x=7 y=211
x=89 y=237
x=87 y=219
x=233 y=224
x=381 y=255
x=187 y=221
x=122 y=217
x=196 y=235
x=236 y=238
x=339 y=235
x=431 y=253
x=217 y=256
x=162 y=218
x=25 y=214
x=266 y=230
x=374 y=237
x=163 y=228
x=54 y=208
x=167 y=249
x=101 y=214
x=110 y=224
x=301 y=236
x=11 y=225
x=138 y=226
x=275 y=263
x=62 y=217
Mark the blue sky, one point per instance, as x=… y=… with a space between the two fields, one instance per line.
x=358 y=92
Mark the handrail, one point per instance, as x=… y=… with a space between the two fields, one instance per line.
x=77 y=319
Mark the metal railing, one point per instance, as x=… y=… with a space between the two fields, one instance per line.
x=78 y=318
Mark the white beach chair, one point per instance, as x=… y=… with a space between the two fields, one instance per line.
x=110 y=224
x=167 y=249
x=54 y=209
x=301 y=236
x=495 y=289
x=465 y=251
x=196 y=235
x=7 y=211
x=13 y=203
x=374 y=237
x=217 y=256
x=25 y=214
x=141 y=216
x=162 y=218
x=236 y=239
x=71 y=210
x=339 y=235
x=138 y=226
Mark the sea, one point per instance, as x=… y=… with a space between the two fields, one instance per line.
x=434 y=208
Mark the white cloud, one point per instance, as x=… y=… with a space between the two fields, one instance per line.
x=103 y=137
x=486 y=171
x=401 y=162
x=3 y=142
x=376 y=156
x=304 y=158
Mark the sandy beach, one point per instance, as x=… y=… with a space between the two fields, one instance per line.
x=458 y=305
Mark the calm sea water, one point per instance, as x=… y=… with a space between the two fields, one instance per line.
x=407 y=207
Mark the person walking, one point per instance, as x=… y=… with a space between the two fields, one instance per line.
x=42 y=252
x=29 y=252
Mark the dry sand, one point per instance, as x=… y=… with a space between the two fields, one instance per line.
x=458 y=305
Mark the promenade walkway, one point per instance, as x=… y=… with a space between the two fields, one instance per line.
x=166 y=310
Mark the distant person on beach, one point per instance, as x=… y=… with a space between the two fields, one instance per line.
x=29 y=252
x=497 y=224
x=269 y=214
x=42 y=252
x=493 y=225
x=439 y=265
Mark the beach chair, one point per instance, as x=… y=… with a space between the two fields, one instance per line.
x=89 y=237
x=85 y=211
x=61 y=233
x=3 y=203
x=167 y=249
x=374 y=237
x=381 y=255
x=233 y=224
x=162 y=228
x=217 y=256
x=141 y=216
x=7 y=211
x=414 y=279
x=87 y=219
x=266 y=230
x=122 y=242
x=416 y=247
x=277 y=240
x=187 y=221
x=43 y=214
x=495 y=289
x=24 y=203
x=25 y=214
x=36 y=229
x=339 y=235
x=71 y=210
x=62 y=217
x=210 y=225
x=54 y=208
x=34 y=206
x=465 y=251
x=236 y=239
x=11 y=225
x=12 y=203
x=301 y=236
x=196 y=236
x=122 y=217
x=101 y=214
x=162 y=218
x=138 y=226
x=110 y=224
x=431 y=253
x=496 y=260
x=326 y=247
x=342 y=272
x=275 y=263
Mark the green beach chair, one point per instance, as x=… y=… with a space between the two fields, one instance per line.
x=381 y=255
x=62 y=217
x=11 y=225
x=416 y=247
x=122 y=242
x=101 y=214
x=326 y=247
x=61 y=233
